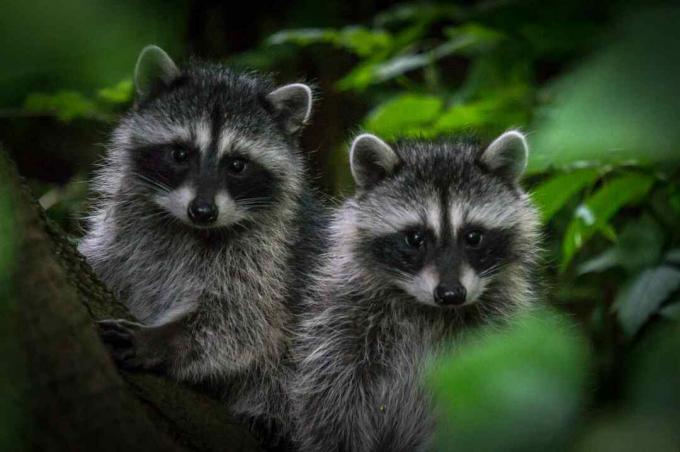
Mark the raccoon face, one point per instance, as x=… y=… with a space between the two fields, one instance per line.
x=209 y=147
x=442 y=222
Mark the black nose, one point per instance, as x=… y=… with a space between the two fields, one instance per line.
x=450 y=294
x=202 y=212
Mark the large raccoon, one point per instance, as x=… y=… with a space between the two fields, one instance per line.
x=202 y=222
x=438 y=237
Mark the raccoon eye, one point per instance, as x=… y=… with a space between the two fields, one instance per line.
x=180 y=155
x=237 y=165
x=415 y=239
x=474 y=238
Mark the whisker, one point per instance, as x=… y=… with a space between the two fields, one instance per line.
x=492 y=270
x=152 y=183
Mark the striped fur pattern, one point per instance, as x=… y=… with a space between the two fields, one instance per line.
x=213 y=302
x=371 y=320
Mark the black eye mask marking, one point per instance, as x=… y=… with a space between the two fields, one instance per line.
x=485 y=250
x=168 y=165
x=248 y=182
x=405 y=251
x=493 y=250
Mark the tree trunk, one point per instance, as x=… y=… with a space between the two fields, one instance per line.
x=61 y=390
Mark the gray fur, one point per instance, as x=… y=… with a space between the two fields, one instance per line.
x=213 y=304
x=367 y=334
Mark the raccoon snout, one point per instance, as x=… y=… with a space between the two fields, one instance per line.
x=201 y=212
x=450 y=294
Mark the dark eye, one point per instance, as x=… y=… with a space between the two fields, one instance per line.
x=473 y=239
x=180 y=155
x=237 y=165
x=415 y=239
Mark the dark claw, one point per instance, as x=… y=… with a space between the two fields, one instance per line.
x=119 y=337
x=126 y=345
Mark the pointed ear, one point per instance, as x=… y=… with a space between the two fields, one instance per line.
x=154 y=69
x=292 y=104
x=507 y=155
x=371 y=160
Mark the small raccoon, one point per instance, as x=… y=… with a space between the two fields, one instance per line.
x=202 y=224
x=438 y=237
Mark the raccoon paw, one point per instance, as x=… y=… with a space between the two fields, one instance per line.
x=127 y=344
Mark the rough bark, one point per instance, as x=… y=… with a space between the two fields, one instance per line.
x=64 y=391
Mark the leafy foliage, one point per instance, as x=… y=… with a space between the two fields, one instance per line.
x=68 y=105
x=603 y=172
x=537 y=354
x=595 y=86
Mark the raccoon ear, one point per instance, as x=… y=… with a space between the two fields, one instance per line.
x=154 y=69
x=371 y=160
x=507 y=155
x=292 y=104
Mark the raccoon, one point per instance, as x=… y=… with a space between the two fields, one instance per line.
x=439 y=237
x=202 y=223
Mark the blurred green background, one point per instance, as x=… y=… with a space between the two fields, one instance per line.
x=594 y=85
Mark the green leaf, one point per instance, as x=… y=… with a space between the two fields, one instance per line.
x=303 y=36
x=66 y=105
x=120 y=93
x=488 y=116
x=475 y=37
x=465 y=39
x=553 y=194
x=516 y=388
x=596 y=211
x=362 y=41
x=604 y=261
x=403 y=114
x=621 y=104
x=358 y=40
x=638 y=246
x=420 y=12
x=643 y=296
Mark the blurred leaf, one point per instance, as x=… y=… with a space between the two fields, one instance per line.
x=638 y=246
x=402 y=114
x=421 y=12
x=358 y=40
x=487 y=116
x=604 y=261
x=477 y=37
x=120 y=93
x=621 y=105
x=363 y=42
x=553 y=194
x=596 y=211
x=512 y=389
x=671 y=311
x=66 y=105
x=462 y=40
x=643 y=296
